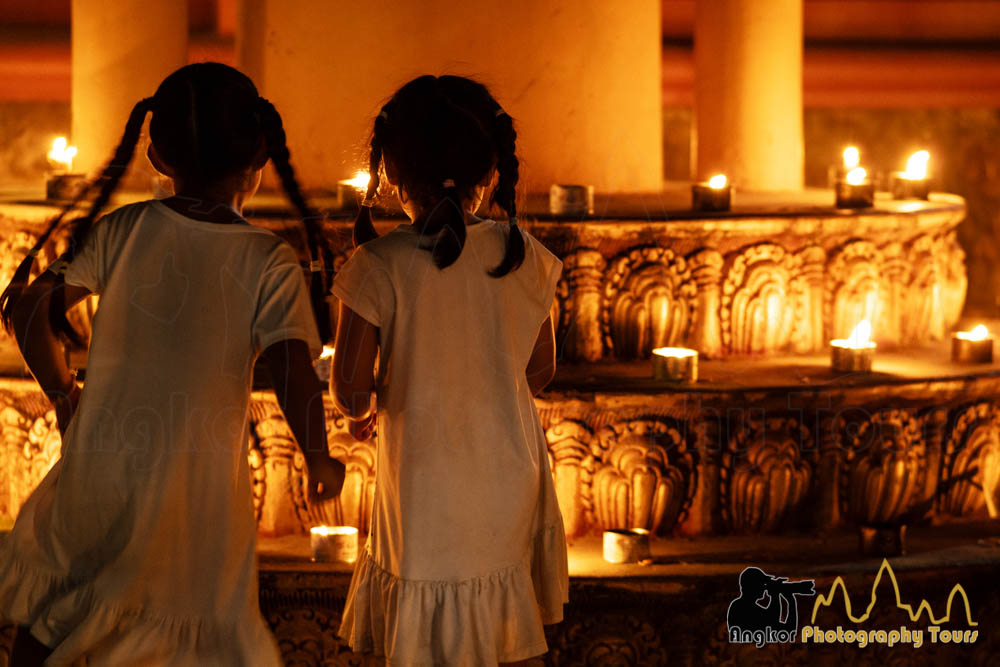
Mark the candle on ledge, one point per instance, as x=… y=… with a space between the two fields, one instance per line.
x=853 y=354
x=351 y=191
x=626 y=546
x=571 y=200
x=855 y=190
x=975 y=346
x=334 y=544
x=715 y=195
x=675 y=364
x=851 y=158
x=912 y=183
x=60 y=183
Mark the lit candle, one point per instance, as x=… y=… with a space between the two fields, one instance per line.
x=334 y=544
x=571 y=200
x=324 y=363
x=626 y=546
x=713 y=195
x=855 y=190
x=851 y=158
x=855 y=353
x=675 y=364
x=912 y=183
x=351 y=191
x=60 y=183
x=975 y=346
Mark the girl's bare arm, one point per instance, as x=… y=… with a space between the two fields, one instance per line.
x=352 y=382
x=300 y=395
x=41 y=348
x=542 y=364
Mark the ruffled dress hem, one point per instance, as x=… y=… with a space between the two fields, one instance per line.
x=496 y=617
x=72 y=620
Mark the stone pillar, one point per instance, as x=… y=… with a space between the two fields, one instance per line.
x=582 y=80
x=122 y=50
x=584 y=271
x=748 y=92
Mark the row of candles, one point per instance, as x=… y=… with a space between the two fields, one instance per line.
x=852 y=186
x=853 y=354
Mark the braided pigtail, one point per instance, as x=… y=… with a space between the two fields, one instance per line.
x=108 y=182
x=364 y=229
x=447 y=220
x=320 y=255
x=505 y=193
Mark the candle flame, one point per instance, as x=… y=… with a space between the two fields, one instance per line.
x=327 y=352
x=717 y=182
x=916 y=166
x=979 y=332
x=851 y=157
x=62 y=153
x=861 y=336
x=856 y=176
x=678 y=352
x=360 y=180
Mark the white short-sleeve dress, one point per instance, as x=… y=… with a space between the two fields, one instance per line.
x=466 y=558
x=138 y=547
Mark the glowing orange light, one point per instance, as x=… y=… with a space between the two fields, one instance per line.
x=851 y=157
x=861 y=336
x=327 y=352
x=360 y=180
x=916 y=166
x=856 y=176
x=326 y=531
x=677 y=352
x=62 y=154
x=979 y=332
x=717 y=182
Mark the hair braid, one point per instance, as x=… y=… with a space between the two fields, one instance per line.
x=449 y=218
x=320 y=255
x=364 y=228
x=505 y=193
x=108 y=180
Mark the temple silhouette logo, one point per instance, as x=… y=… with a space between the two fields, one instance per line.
x=766 y=610
x=921 y=613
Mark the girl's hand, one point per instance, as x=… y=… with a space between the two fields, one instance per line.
x=65 y=406
x=326 y=478
x=363 y=428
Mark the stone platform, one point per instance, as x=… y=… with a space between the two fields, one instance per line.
x=673 y=610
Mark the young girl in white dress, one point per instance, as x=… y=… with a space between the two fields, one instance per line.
x=138 y=547
x=466 y=558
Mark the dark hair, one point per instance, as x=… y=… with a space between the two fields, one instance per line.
x=208 y=122
x=443 y=136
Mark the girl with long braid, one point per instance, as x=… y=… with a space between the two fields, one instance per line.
x=138 y=547
x=466 y=556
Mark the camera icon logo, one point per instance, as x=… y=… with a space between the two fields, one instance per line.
x=766 y=610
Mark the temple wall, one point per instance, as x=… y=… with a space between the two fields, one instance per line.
x=582 y=83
